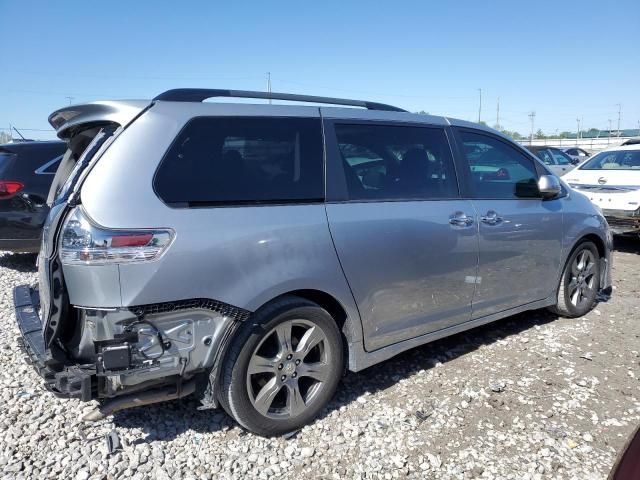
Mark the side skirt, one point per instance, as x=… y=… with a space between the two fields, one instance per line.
x=359 y=359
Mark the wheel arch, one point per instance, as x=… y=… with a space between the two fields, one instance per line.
x=349 y=331
x=596 y=240
x=603 y=247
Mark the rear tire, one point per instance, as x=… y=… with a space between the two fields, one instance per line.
x=579 y=283
x=283 y=367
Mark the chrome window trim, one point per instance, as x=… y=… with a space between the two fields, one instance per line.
x=41 y=170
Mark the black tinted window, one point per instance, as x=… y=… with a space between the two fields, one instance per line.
x=396 y=162
x=497 y=169
x=218 y=160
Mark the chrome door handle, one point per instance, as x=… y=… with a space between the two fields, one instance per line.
x=491 y=218
x=460 y=219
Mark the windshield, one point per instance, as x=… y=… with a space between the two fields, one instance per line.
x=614 y=160
x=560 y=157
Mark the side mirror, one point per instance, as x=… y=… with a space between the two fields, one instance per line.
x=549 y=186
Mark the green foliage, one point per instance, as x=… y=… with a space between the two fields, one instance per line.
x=5 y=137
x=540 y=134
x=513 y=134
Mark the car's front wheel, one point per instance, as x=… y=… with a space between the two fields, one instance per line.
x=580 y=282
x=283 y=367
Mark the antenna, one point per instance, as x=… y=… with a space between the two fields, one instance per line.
x=18 y=132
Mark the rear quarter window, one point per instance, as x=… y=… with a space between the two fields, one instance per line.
x=243 y=160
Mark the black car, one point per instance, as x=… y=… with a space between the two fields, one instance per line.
x=26 y=172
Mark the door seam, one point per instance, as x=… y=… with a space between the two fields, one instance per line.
x=344 y=275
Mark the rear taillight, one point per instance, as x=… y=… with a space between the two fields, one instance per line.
x=84 y=243
x=9 y=188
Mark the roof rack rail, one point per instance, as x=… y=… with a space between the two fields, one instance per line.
x=201 y=94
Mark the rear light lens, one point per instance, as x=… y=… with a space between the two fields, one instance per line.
x=83 y=243
x=9 y=188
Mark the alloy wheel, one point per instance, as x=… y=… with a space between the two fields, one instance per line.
x=581 y=286
x=288 y=369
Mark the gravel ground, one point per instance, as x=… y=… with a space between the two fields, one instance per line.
x=532 y=396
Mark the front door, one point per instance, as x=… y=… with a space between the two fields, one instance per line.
x=406 y=240
x=520 y=234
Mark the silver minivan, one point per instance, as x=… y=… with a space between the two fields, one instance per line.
x=251 y=254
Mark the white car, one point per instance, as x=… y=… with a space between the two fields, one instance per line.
x=611 y=179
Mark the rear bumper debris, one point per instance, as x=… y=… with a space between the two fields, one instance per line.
x=73 y=381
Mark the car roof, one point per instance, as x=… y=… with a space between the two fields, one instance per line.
x=123 y=111
x=18 y=146
x=622 y=148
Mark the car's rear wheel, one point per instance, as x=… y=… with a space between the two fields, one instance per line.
x=580 y=282
x=283 y=367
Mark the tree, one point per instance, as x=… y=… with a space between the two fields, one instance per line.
x=422 y=112
x=540 y=134
x=516 y=136
x=5 y=137
x=565 y=134
x=513 y=134
x=483 y=123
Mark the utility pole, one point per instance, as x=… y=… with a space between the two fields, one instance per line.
x=70 y=99
x=480 y=106
x=498 y=114
x=609 y=141
x=269 y=85
x=578 y=131
x=532 y=116
x=619 y=115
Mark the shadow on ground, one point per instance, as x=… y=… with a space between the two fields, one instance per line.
x=627 y=244
x=167 y=420
x=20 y=262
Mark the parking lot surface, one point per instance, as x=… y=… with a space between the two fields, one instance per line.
x=532 y=396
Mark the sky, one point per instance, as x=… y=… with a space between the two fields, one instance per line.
x=562 y=60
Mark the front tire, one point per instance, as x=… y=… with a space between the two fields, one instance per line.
x=283 y=367
x=580 y=282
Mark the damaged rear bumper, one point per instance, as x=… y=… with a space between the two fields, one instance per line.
x=73 y=381
x=194 y=335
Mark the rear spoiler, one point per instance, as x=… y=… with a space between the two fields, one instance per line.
x=121 y=112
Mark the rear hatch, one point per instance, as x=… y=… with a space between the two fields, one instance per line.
x=89 y=130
